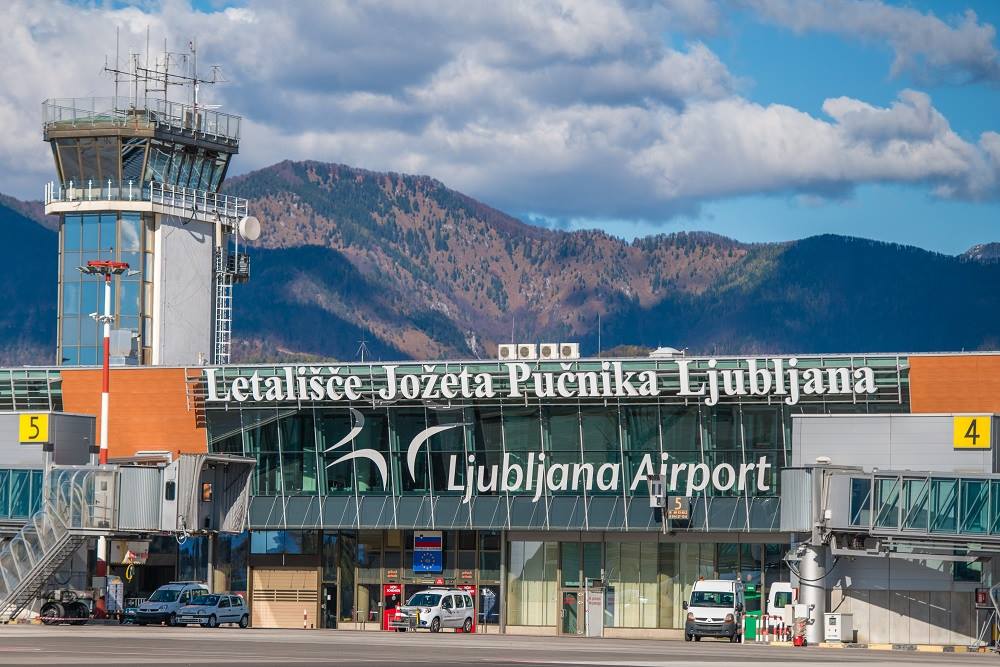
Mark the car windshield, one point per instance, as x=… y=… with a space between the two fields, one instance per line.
x=424 y=600
x=206 y=600
x=711 y=599
x=165 y=595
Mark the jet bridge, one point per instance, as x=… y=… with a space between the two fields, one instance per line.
x=203 y=493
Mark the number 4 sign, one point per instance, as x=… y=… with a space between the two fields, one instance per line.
x=972 y=432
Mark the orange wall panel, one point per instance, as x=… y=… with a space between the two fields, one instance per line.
x=148 y=409
x=954 y=383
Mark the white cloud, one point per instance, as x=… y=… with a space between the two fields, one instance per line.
x=566 y=109
x=960 y=49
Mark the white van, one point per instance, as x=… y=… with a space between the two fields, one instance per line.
x=715 y=609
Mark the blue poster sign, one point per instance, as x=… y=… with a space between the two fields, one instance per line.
x=427 y=556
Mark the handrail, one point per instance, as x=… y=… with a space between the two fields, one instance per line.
x=124 y=112
x=160 y=194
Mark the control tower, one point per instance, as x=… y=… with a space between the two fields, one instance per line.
x=137 y=181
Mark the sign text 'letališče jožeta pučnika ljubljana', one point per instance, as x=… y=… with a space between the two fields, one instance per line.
x=776 y=377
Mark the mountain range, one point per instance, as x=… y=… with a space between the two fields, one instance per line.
x=417 y=270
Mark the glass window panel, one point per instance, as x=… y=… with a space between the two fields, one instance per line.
x=975 y=506
x=71 y=297
x=20 y=493
x=330 y=557
x=915 y=504
x=944 y=505
x=69 y=156
x=970 y=572
x=131 y=226
x=375 y=435
x=107 y=156
x=70 y=356
x=861 y=488
x=133 y=154
x=570 y=563
x=532 y=591
x=90 y=356
x=887 y=495
x=442 y=446
x=72 y=230
x=5 y=494
x=521 y=428
x=91 y=235
x=131 y=301
x=599 y=425
x=71 y=330
x=347 y=561
x=108 y=231
x=334 y=425
x=723 y=428
x=298 y=444
x=408 y=422
x=680 y=431
x=562 y=424
x=88 y=157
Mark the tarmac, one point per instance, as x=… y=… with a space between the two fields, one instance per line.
x=152 y=646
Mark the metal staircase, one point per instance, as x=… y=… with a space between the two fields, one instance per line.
x=71 y=512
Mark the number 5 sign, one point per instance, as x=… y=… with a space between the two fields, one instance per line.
x=33 y=428
x=972 y=432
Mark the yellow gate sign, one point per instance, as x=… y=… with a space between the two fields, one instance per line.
x=33 y=428
x=972 y=432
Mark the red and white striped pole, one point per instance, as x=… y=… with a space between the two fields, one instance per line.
x=106 y=370
x=107 y=269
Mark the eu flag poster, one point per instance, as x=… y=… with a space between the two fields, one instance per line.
x=427 y=551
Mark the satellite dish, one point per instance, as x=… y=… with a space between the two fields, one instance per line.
x=249 y=228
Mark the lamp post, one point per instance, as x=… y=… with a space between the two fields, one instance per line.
x=106 y=268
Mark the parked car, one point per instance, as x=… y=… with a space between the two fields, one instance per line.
x=436 y=608
x=162 y=605
x=213 y=610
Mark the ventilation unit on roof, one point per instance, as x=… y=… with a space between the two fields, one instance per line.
x=548 y=351
x=527 y=351
x=506 y=352
x=569 y=350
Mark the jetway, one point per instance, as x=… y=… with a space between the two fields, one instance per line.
x=880 y=512
x=202 y=493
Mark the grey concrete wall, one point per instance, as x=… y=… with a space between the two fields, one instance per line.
x=905 y=602
x=183 y=292
x=886 y=442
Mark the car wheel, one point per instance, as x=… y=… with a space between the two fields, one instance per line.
x=244 y=621
x=436 y=625
x=213 y=622
x=51 y=613
x=697 y=638
x=141 y=623
x=467 y=626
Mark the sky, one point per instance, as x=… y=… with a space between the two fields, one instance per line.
x=763 y=120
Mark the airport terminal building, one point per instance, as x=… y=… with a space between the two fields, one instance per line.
x=530 y=480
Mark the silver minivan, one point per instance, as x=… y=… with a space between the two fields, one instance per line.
x=436 y=608
x=162 y=605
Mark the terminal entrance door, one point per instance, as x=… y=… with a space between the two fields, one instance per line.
x=571 y=612
x=328 y=606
